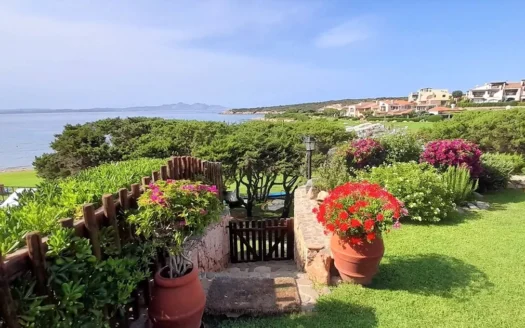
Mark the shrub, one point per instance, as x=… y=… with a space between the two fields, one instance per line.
x=171 y=211
x=458 y=152
x=434 y=118
x=364 y=153
x=497 y=169
x=332 y=173
x=459 y=183
x=358 y=212
x=401 y=147
x=492 y=130
x=419 y=186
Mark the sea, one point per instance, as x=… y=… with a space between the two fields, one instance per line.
x=23 y=136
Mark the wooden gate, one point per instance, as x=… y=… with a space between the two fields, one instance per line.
x=261 y=240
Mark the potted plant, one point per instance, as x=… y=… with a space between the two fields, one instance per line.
x=169 y=213
x=357 y=214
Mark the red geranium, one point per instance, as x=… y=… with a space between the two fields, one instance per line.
x=358 y=211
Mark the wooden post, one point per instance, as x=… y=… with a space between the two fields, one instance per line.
x=183 y=167
x=290 y=248
x=164 y=172
x=146 y=181
x=123 y=198
x=7 y=304
x=2 y=189
x=205 y=169
x=155 y=175
x=135 y=190
x=93 y=231
x=170 y=169
x=221 y=182
x=177 y=166
x=38 y=261
x=67 y=222
x=110 y=212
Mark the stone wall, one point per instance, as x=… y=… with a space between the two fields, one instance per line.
x=210 y=252
x=312 y=246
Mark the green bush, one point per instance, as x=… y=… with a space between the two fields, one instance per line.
x=434 y=118
x=459 y=183
x=497 y=104
x=332 y=173
x=494 y=131
x=497 y=169
x=419 y=186
x=401 y=147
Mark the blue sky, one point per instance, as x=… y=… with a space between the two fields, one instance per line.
x=79 y=54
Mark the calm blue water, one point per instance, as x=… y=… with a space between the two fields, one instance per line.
x=24 y=136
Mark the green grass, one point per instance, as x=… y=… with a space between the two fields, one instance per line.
x=412 y=126
x=19 y=178
x=467 y=273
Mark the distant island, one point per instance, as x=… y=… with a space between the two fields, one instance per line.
x=168 y=107
x=301 y=107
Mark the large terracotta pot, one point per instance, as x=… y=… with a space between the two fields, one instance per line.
x=357 y=263
x=178 y=302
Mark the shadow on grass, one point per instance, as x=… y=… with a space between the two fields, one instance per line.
x=431 y=274
x=328 y=313
x=455 y=218
x=500 y=199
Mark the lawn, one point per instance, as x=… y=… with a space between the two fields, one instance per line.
x=466 y=273
x=411 y=126
x=19 y=178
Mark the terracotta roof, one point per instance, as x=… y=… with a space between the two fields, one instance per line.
x=401 y=112
x=513 y=85
x=365 y=105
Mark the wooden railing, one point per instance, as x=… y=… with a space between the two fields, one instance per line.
x=32 y=256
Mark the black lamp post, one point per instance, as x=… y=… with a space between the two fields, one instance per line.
x=309 y=142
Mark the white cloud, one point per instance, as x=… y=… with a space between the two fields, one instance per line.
x=354 y=30
x=51 y=61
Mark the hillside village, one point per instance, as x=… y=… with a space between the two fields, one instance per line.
x=437 y=101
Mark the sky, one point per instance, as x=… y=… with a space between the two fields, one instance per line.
x=90 y=53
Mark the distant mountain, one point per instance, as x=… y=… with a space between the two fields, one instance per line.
x=167 y=107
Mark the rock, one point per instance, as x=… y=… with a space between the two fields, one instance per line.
x=482 y=205
x=275 y=205
x=478 y=196
x=312 y=193
x=461 y=210
x=309 y=184
x=325 y=291
x=318 y=269
x=472 y=206
x=322 y=195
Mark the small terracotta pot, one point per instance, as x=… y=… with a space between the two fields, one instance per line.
x=177 y=302
x=357 y=263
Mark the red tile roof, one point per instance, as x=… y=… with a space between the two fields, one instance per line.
x=513 y=85
x=444 y=109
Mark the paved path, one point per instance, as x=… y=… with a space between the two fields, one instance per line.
x=271 y=269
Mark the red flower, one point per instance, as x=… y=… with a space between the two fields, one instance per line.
x=343 y=215
x=356 y=241
x=370 y=236
x=369 y=225
x=380 y=217
x=344 y=227
x=315 y=210
x=338 y=205
x=330 y=227
x=355 y=223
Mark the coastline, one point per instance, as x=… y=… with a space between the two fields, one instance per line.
x=16 y=169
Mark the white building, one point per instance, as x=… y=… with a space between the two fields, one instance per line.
x=497 y=92
x=366 y=130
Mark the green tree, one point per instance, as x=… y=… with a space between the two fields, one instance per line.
x=457 y=94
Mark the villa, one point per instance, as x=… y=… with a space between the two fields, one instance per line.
x=428 y=98
x=497 y=92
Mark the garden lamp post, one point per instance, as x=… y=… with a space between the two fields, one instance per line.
x=309 y=142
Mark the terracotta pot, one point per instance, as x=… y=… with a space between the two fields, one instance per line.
x=357 y=263
x=177 y=302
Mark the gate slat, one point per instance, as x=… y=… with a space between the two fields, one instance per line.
x=290 y=239
x=283 y=237
x=276 y=241
x=240 y=244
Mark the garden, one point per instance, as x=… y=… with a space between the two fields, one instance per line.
x=444 y=264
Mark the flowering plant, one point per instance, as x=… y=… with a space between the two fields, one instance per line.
x=171 y=211
x=365 y=152
x=456 y=152
x=359 y=211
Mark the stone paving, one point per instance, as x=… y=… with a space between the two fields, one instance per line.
x=271 y=269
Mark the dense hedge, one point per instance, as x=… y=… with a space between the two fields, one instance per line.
x=495 y=131
x=423 y=118
x=496 y=104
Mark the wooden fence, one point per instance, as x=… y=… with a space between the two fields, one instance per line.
x=261 y=240
x=32 y=256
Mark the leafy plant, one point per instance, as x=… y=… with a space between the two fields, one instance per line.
x=332 y=173
x=401 y=147
x=171 y=211
x=419 y=186
x=364 y=153
x=497 y=169
x=457 y=152
x=358 y=212
x=459 y=183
